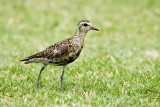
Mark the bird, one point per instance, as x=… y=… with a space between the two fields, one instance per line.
x=64 y=52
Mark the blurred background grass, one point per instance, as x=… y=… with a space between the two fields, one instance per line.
x=124 y=53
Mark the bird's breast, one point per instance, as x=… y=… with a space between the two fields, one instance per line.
x=73 y=54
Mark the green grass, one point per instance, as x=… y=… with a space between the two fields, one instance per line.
x=119 y=66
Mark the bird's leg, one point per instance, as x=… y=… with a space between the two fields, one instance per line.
x=40 y=75
x=64 y=67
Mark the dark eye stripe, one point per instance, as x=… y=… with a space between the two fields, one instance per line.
x=85 y=24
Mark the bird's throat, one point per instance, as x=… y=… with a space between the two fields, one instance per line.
x=80 y=33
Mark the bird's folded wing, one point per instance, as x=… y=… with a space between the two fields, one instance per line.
x=58 y=50
x=54 y=51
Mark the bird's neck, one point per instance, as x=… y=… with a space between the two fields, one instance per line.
x=79 y=36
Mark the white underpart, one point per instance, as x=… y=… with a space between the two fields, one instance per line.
x=37 y=60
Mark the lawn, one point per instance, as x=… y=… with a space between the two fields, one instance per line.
x=118 y=66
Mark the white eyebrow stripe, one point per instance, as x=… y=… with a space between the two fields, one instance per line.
x=85 y=22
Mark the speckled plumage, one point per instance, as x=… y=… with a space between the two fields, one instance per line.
x=60 y=53
x=64 y=52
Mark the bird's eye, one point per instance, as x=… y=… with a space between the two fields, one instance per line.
x=85 y=24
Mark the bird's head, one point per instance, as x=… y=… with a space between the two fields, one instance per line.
x=85 y=26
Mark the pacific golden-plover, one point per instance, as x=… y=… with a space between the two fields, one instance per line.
x=64 y=52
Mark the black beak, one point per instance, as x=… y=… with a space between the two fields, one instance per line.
x=93 y=28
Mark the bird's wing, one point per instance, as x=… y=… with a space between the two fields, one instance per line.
x=58 y=50
x=54 y=51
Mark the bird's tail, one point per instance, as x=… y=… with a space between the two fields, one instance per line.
x=27 y=60
x=33 y=58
